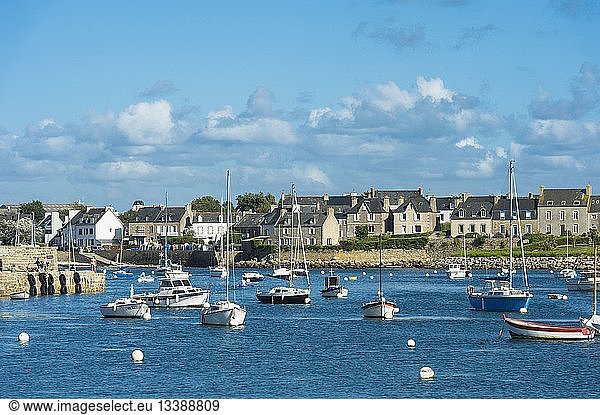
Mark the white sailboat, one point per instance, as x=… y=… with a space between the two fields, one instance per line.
x=291 y=294
x=225 y=312
x=594 y=320
x=380 y=308
x=457 y=272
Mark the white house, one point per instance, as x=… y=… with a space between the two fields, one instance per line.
x=96 y=227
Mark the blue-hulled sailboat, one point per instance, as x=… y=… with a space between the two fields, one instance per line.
x=499 y=294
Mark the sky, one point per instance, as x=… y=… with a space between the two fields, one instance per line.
x=108 y=102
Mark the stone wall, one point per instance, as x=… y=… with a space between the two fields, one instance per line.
x=19 y=268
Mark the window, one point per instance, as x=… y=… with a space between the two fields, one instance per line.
x=461 y=229
x=528 y=229
x=200 y=230
x=403 y=229
x=328 y=241
x=371 y=217
x=461 y=213
x=502 y=215
x=418 y=229
x=575 y=228
x=548 y=229
x=563 y=203
x=503 y=229
x=311 y=231
x=472 y=227
x=527 y=215
x=482 y=213
x=404 y=216
x=575 y=215
x=577 y=203
x=562 y=215
x=356 y=217
x=80 y=231
x=371 y=229
x=548 y=215
x=417 y=217
x=482 y=227
x=515 y=230
x=549 y=202
x=211 y=230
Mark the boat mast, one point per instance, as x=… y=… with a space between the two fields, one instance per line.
x=292 y=236
x=465 y=249
x=595 y=287
x=520 y=233
x=228 y=210
x=510 y=218
x=166 y=227
x=380 y=292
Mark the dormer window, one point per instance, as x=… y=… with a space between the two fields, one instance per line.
x=577 y=203
x=461 y=213
x=482 y=213
x=563 y=203
x=549 y=202
x=502 y=215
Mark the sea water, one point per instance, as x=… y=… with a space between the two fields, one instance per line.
x=322 y=350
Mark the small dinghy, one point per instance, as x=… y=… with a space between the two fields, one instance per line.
x=23 y=295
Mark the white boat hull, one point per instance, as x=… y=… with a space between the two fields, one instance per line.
x=224 y=313
x=521 y=329
x=192 y=300
x=335 y=292
x=19 y=296
x=384 y=310
x=458 y=274
x=134 y=309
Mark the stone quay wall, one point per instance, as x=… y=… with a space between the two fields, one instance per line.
x=19 y=272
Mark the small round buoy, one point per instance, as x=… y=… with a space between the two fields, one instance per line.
x=427 y=274
x=137 y=355
x=391 y=274
x=322 y=272
x=371 y=277
x=426 y=373
x=364 y=273
x=345 y=278
x=435 y=271
x=551 y=271
x=411 y=343
x=23 y=337
x=522 y=310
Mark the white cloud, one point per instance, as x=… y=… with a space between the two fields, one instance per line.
x=562 y=162
x=501 y=153
x=468 y=142
x=117 y=170
x=147 y=123
x=310 y=173
x=483 y=168
x=564 y=131
x=388 y=97
x=434 y=90
x=260 y=130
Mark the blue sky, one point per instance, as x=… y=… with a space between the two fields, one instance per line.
x=113 y=101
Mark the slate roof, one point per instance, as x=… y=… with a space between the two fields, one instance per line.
x=152 y=214
x=563 y=197
x=473 y=207
x=374 y=205
x=395 y=195
x=525 y=205
x=419 y=203
x=595 y=205
x=445 y=203
x=250 y=220
x=209 y=217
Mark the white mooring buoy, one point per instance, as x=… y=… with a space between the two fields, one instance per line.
x=411 y=343
x=23 y=337
x=426 y=373
x=522 y=310
x=137 y=355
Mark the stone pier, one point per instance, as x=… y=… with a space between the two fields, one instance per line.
x=35 y=270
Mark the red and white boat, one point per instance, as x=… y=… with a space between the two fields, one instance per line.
x=521 y=329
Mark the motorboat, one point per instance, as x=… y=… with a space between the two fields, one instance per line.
x=380 y=308
x=126 y=307
x=584 y=282
x=522 y=329
x=218 y=271
x=557 y=296
x=123 y=272
x=457 y=271
x=281 y=273
x=252 y=277
x=22 y=295
x=567 y=273
x=284 y=295
x=175 y=290
x=333 y=289
x=145 y=278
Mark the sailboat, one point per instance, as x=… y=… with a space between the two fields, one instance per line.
x=225 y=313
x=291 y=294
x=568 y=272
x=380 y=308
x=455 y=271
x=333 y=289
x=281 y=272
x=594 y=320
x=499 y=294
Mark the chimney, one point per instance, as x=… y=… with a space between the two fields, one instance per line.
x=353 y=199
x=386 y=203
x=330 y=211
x=421 y=191
x=325 y=198
x=588 y=190
x=433 y=203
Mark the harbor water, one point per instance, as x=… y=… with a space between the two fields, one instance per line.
x=322 y=350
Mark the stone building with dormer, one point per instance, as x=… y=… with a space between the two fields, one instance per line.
x=562 y=210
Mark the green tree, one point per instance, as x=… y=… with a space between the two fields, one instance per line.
x=36 y=207
x=361 y=231
x=256 y=202
x=206 y=204
x=126 y=217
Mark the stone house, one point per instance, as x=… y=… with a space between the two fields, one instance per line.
x=527 y=214
x=370 y=212
x=473 y=215
x=149 y=224
x=562 y=210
